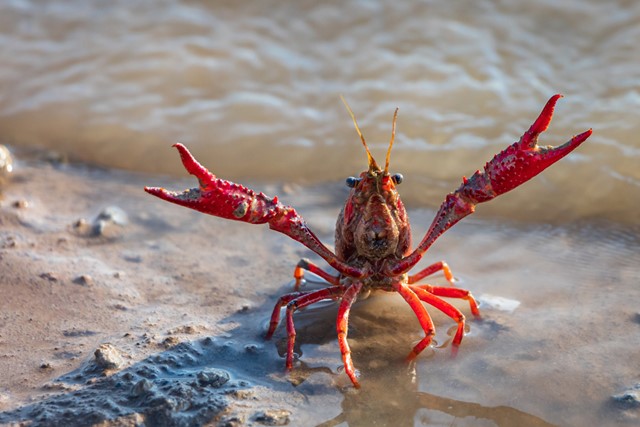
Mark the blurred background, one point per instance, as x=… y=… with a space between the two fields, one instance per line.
x=252 y=88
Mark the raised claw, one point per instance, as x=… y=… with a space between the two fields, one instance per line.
x=511 y=167
x=219 y=197
x=519 y=162
x=229 y=200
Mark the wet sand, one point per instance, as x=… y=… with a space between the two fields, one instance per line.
x=119 y=309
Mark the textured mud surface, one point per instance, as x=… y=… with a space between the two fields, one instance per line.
x=118 y=309
x=191 y=383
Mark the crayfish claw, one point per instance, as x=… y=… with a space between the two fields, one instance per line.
x=508 y=169
x=529 y=140
x=525 y=159
x=226 y=199
x=191 y=196
x=219 y=197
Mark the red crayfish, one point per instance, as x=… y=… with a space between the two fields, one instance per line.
x=373 y=248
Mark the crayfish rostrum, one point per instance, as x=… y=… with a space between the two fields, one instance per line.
x=373 y=249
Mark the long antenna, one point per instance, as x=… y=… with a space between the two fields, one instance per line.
x=393 y=137
x=372 y=162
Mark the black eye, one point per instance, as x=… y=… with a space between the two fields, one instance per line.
x=397 y=178
x=352 y=181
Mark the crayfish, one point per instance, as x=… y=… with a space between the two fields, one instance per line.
x=373 y=249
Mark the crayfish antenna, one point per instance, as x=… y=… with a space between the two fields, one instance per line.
x=372 y=161
x=393 y=137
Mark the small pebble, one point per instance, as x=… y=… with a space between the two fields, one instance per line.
x=9 y=242
x=252 y=348
x=108 y=357
x=84 y=280
x=187 y=329
x=55 y=157
x=80 y=222
x=170 y=342
x=113 y=214
x=82 y=226
x=242 y=394
x=108 y=220
x=20 y=204
x=141 y=387
x=133 y=258
x=49 y=276
x=215 y=378
x=629 y=398
x=273 y=417
x=6 y=165
x=108 y=223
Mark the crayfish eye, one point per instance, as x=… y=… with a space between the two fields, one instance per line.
x=352 y=181
x=397 y=178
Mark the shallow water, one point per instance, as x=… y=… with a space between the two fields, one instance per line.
x=254 y=90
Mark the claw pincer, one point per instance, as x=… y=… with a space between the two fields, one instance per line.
x=219 y=197
x=519 y=162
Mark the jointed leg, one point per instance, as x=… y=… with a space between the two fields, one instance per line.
x=300 y=302
x=446 y=308
x=275 y=315
x=433 y=268
x=423 y=317
x=305 y=264
x=342 y=326
x=443 y=291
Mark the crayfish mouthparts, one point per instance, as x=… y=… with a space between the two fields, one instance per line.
x=373 y=239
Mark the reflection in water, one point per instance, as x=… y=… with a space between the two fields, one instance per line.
x=390 y=389
x=366 y=407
